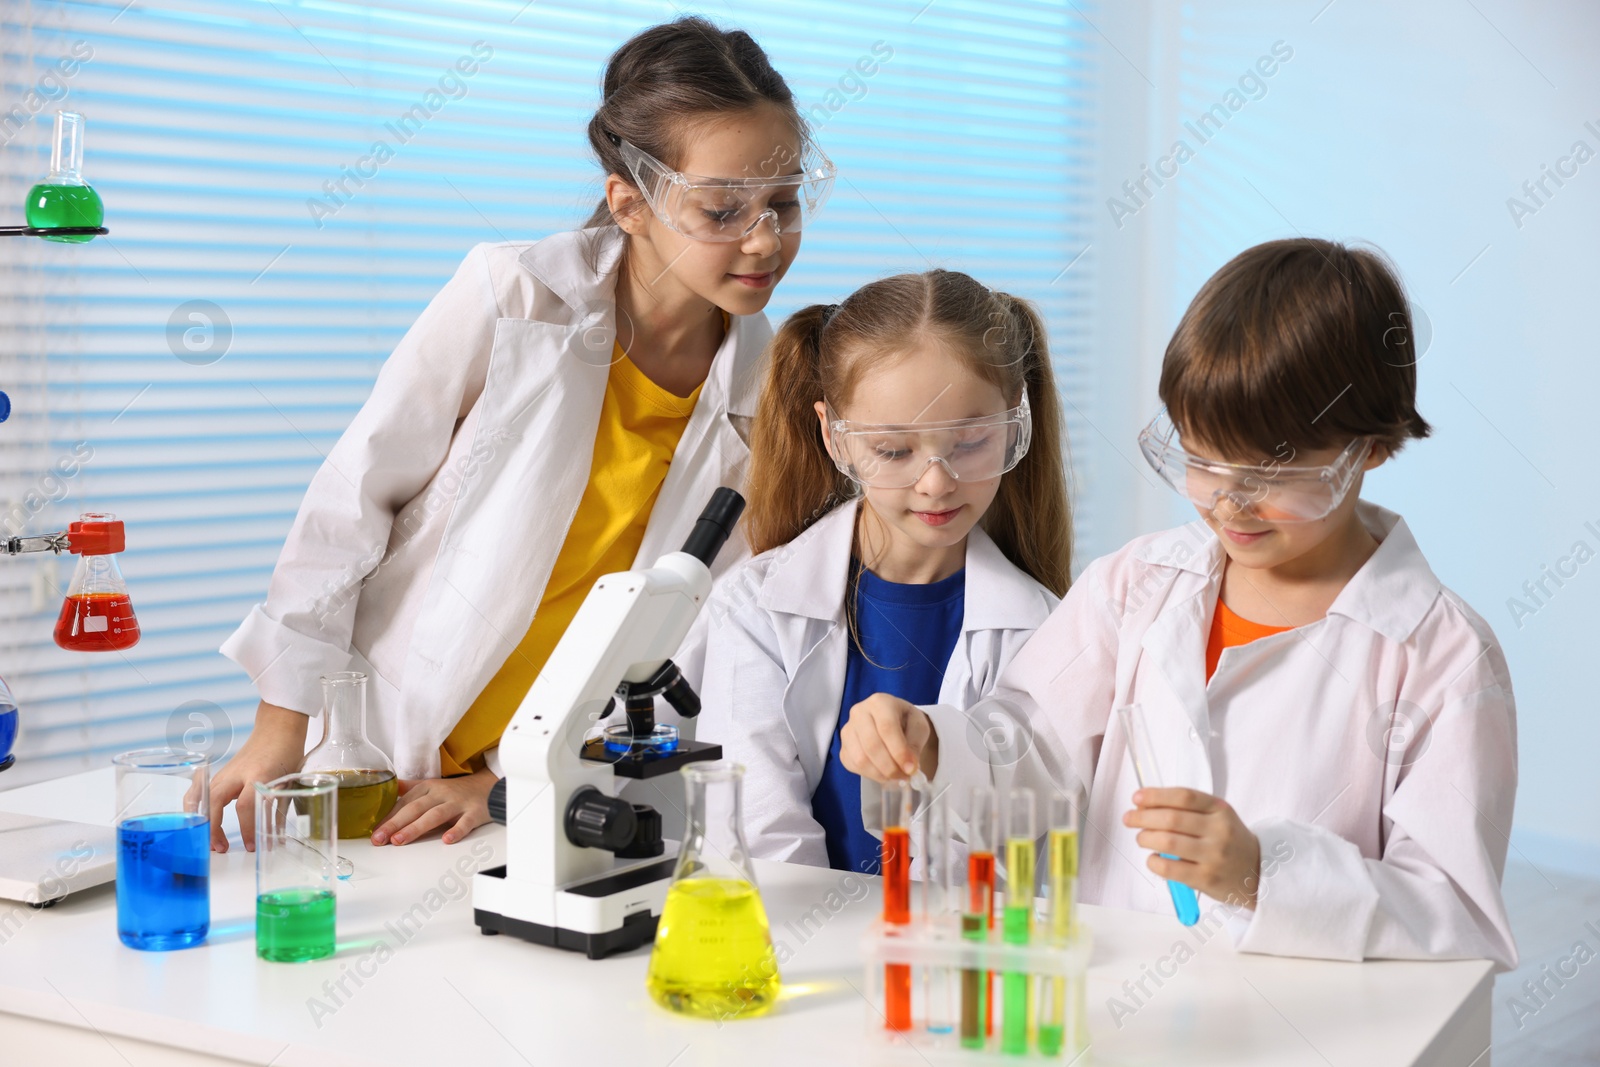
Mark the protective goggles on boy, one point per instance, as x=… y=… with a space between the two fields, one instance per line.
x=897 y=456
x=1270 y=491
x=727 y=209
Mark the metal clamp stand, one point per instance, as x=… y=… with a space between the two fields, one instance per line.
x=52 y=231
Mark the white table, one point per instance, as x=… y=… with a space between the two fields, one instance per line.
x=440 y=992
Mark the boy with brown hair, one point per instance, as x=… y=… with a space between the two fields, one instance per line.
x=1335 y=729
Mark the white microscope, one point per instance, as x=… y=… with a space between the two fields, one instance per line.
x=586 y=869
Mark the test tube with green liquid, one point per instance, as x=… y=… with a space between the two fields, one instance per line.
x=1017 y=921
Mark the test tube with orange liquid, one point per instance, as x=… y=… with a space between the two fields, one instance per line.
x=897 y=898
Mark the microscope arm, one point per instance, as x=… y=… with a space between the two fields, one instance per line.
x=626 y=630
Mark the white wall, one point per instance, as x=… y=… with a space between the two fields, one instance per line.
x=1408 y=125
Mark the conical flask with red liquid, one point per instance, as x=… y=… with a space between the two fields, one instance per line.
x=97 y=615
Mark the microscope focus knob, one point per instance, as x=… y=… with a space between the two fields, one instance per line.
x=595 y=820
x=497 y=801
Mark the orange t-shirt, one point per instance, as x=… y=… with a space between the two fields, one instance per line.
x=1230 y=631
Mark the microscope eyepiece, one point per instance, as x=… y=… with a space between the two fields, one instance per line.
x=715 y=525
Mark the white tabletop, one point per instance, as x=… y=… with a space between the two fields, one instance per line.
x=436 y=990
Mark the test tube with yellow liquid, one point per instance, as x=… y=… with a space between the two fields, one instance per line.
x=1062 y=1005
x=1017 y=921
x=713 y=955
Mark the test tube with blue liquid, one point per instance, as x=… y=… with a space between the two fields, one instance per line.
x=1142 y=752
x=163 y=821
x=940 y=909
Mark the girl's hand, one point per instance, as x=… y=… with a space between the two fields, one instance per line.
x=428 y=803
x=888 y=739
x=274 y=748
x=1217 y=853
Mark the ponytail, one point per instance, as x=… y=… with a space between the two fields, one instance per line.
x=793 y=481
x=1030 y=519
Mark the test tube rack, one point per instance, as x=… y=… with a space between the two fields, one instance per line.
x=932 y=948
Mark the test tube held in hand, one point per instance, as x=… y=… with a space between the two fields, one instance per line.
x=897 y=898
x=1017 y=986
x=939 y=908
x=977 y=917
x=1141 y=751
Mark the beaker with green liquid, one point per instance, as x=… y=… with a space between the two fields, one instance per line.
x=367 y=783
x=64 y=198
x=713 y=956
x=296 y=867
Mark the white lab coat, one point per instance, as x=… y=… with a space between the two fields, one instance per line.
x=776 y=645
x=1372 y=752
x=425 y=540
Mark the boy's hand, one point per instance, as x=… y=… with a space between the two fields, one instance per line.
x=888 y=739
x=428 y=803
x=1217 y=853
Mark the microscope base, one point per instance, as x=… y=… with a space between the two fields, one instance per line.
x=636 y=930
x=613 y=913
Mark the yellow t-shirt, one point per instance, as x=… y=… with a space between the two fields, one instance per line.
x=640 y=424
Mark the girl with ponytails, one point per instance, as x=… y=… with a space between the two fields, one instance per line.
x=908 y=510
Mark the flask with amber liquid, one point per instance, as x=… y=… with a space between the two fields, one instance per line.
x=367 y=783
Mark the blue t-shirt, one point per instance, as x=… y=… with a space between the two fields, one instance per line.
x=908 y=633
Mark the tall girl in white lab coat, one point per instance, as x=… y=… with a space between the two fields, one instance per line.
x=908 y=504
x=562 y=409
x=1335 y=728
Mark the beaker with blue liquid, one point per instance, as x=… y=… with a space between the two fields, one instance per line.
x=163 y=822
x=8 y=726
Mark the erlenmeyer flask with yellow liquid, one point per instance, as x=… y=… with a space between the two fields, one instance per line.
x=367 y=783
x=713 y=955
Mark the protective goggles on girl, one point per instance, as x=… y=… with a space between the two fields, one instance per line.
x=1270 y=491
x=727 y=209
x=897 y=456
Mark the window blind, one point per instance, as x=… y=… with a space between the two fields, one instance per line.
x=189 y=372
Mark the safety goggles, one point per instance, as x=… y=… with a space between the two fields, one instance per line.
x=1269 y=491
x=727 y=209
x=897 y=456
